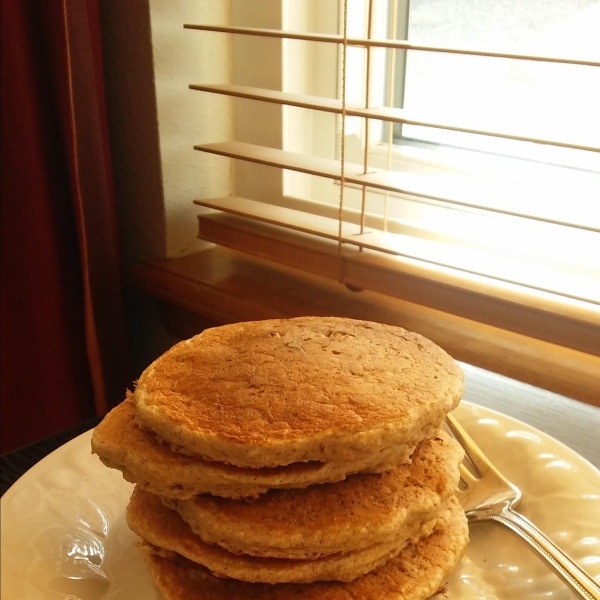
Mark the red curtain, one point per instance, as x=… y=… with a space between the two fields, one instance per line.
x=63 y=343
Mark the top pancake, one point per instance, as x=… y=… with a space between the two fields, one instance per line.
x=270 y=393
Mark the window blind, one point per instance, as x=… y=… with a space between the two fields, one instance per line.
x=369 y=251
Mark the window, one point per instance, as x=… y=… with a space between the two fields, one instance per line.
x=541 y=99
x=541 y=225
x=484 y=214
x=555 y=100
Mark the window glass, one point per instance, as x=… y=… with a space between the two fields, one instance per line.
x=556 y=101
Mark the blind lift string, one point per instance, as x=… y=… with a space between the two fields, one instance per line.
x=392 y=84
x=363 y=205
x=343 y=143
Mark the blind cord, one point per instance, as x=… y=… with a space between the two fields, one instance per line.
x=343 y=140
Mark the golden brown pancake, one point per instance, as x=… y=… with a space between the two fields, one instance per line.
x=142 y=458
x=415 y=574
x=164 y=528
x=276 y=392
x=347 y=516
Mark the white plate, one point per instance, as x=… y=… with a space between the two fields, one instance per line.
x=64 y=534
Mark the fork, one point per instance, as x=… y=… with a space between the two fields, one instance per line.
x=489 y=496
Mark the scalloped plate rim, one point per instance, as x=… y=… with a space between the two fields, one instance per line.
x=533 y=429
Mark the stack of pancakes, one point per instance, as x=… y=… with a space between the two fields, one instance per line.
x=297 y=458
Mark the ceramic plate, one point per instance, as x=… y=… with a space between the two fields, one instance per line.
x=64 y=534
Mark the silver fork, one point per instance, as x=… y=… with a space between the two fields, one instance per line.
x=491 y=497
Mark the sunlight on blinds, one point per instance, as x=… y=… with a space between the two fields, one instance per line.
x=367 y=219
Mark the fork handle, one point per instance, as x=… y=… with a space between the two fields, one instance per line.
x=572 y=574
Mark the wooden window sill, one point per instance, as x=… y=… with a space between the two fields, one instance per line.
x=223 y=286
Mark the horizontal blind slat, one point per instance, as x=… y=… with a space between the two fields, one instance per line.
x=483 y=263
x=487 y=199
x=393 y=44
x=384 y=113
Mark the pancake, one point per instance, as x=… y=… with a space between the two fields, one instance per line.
x=347 y=516
x=165 y=529
x=121 y=444
x=277 y=392
x=415 y=574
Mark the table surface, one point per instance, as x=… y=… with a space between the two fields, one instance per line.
x=575 y=424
